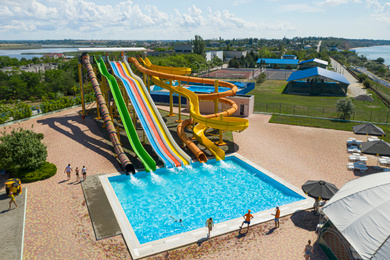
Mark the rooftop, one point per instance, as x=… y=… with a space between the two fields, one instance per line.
x=319 y=61
x=279 y=61
x=317 y=71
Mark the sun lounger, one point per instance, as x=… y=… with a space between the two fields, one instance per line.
x=373 y=139
x=357 y=166
x=354 y=149
x=384 y=161
x=354 y=142
x=354 y=158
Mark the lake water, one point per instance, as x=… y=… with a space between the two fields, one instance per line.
x=37 y=52
x=372 y=53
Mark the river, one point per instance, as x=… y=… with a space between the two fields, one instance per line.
x=374 y=52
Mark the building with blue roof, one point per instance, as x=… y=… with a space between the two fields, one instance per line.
x=278 y=63
x=317 y=81
x=306 y=64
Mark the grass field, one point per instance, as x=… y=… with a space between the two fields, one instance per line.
x=322 y=123
x=269 y=98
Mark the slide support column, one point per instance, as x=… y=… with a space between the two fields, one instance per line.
x=220 y=141
x=179 y=119
x=170 y=100
x=81 y=88
x=216 y=100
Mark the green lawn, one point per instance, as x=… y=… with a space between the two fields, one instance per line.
x=321 y=123
x=269 y=98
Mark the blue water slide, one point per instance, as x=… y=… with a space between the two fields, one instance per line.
x=147 y=127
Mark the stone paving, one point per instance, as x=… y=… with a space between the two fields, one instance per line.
x=57 y=220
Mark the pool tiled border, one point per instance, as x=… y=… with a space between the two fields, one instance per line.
x=138 y=250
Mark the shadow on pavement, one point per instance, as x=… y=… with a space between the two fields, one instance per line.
x=305 y=220
x=241 y=234
x=78 y=135
x=201 y=241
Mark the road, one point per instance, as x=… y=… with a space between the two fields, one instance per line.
x=341 y=69
x=373 y=76
x=319 y=46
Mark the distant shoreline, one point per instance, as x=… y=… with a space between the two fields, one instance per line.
x=369 y=47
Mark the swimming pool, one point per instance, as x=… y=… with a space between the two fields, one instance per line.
x=223 y=190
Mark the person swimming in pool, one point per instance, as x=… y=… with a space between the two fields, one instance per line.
x=180 y=221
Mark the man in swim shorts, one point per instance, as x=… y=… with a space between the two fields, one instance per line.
x=210 y=225
x=248 y=216
x=68 y=170
x=277 y=215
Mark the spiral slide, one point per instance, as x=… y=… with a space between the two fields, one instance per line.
x=146 y=159
x=156 y=131
x=217 y=121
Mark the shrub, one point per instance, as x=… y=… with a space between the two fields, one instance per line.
x=21 y=150
x=21 y=110
x=362 y=77
x=367 y=83
x=345 y=108
x=45 y=171
x=261 y=78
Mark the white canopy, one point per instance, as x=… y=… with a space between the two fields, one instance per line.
x=361 y=212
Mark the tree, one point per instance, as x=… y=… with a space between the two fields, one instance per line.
x=261 y=78
x=362 y=77
x=380 y=60
x=345 y=108
x=367 y=83
x=199 y=46
x=21 y=150
x=233 y=63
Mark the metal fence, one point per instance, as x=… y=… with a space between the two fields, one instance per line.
x=322 y=112
x=278 y=74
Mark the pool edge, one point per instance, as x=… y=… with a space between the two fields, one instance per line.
x=138 y=250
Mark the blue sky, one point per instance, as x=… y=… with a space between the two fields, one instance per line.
x=182 y=19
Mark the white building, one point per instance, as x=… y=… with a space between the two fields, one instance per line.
x=211 y=54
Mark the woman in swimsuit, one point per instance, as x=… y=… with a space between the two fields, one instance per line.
x=77 y=174
x=308 y=250
x=209 y=224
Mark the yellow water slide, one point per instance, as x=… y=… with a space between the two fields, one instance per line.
x=217 y=121
x=164 y=69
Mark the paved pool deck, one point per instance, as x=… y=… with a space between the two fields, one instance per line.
x=58 y=225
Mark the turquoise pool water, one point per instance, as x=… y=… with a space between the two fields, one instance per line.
x=222 y=190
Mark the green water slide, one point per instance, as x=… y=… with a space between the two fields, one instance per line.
x=146 y=159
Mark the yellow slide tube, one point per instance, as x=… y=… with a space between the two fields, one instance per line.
x=217 y=121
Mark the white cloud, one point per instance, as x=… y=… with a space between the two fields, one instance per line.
x=339 y=2
x=302 y=8
x=193 y=18
x=5 y=12
x=381 y=11
x=241 y=2
x=83 y=18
